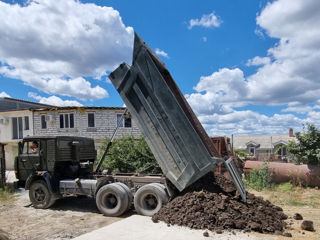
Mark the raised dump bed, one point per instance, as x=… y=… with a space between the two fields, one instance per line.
x=177 y=139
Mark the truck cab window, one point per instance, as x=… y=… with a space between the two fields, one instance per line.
x=34 y=147
x=25 y=148
x=30 y=147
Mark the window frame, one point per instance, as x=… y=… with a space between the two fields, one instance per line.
x=282 y=150
x=123 y=123
x=66 y=120
x=93 y=119
x=26 y=123
x=18 y=123
x=254 y=150
x=43 y=121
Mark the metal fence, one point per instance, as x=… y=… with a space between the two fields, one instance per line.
x=2 y=166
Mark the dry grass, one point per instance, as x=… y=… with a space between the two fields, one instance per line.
x=288 y=195
x=6 y=195
x=295 y=199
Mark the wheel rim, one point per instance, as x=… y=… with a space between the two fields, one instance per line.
x=150 y=202
x=110 y=201
x=39 y=194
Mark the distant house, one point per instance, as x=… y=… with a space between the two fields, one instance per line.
x=261 y=146
x=93 y=122
x=16 y=122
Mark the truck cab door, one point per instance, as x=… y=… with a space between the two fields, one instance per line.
x=29 y=161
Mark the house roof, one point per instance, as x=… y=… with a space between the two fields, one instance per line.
x=12 y=104
x=77 y=108
x=262 y=141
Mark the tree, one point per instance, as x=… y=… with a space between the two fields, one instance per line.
x=129 y=155
x=307 y=149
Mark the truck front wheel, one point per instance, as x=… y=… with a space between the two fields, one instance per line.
x=40 y=196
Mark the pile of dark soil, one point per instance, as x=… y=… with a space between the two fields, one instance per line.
x=212 y=203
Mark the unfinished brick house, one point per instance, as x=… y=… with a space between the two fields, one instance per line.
x=93 y=122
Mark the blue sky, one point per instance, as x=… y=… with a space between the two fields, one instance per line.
x=246 y=67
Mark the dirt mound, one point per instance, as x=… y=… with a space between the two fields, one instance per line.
x=211 y=203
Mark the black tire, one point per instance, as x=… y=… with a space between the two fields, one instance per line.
x=112 y=200
x=40 y=196
x=130 y=196
x=149 y=199
x=160 y=185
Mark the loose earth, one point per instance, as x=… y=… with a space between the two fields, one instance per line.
x=212 y=203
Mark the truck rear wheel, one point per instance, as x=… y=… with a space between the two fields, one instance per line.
x=149 y=199
x=129 y=193
x=40 y=196
x=112 y=200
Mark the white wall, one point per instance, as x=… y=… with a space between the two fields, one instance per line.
x=6 y=134
x=6 y=129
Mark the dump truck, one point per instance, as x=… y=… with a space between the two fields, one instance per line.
x=63 y=166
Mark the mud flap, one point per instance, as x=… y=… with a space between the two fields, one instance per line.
x=236 y=178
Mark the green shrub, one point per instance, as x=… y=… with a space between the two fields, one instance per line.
x=129 y=155
x=241 y=153
x=259 y=179
x=307 y=149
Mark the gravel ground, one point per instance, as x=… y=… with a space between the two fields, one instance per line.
x=66 y=219
x=71 y=217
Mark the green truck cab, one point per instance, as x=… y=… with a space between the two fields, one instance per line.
x=55 y=167
x=43 y=161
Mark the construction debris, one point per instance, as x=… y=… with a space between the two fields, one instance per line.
x=212 y=203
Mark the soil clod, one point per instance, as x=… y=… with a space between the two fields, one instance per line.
x=287 y=234
x=307 y=225
x=212 y=203
x=297 y=216
x=206 y=234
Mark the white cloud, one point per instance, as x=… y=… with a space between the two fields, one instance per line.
x=227 y=86
x=162 y=53
x=54 y=100
x=4 y=94
x=206 y=20
x=248 y=122
x=287 y=76
x=314 y=117
x=54 y=45
x=204 y=39
x=299 y=109
x=259 y=33
x=293 y=75
x=256 y=61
